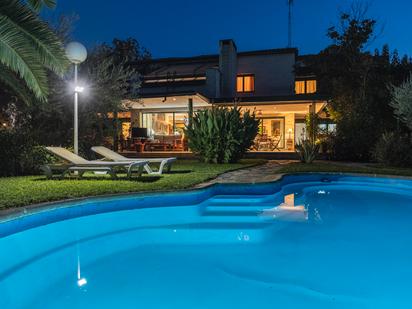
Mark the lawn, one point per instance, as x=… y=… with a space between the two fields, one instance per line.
x=337 y=167
x=26 y=190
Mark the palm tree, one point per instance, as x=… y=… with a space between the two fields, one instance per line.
x=28 y=48
x=38 y=4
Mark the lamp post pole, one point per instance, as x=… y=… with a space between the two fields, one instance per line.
x=76 y=113
x=76 y=53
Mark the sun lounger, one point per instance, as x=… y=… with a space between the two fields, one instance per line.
x=81 y=165
x=165 y=163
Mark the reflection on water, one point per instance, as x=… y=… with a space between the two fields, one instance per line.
x=287 y=211
x=81 y=281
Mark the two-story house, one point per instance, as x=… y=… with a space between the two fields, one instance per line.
x=264 y=81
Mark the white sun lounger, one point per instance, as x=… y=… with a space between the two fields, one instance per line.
x=165 y=163
x=81 y=165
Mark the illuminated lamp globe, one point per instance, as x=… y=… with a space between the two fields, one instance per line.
x=76 y=52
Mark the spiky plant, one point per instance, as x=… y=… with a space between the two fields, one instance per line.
x=28 y=48
x=307 y=151
x=222 y=135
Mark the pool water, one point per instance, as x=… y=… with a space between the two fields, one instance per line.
x=307 y=241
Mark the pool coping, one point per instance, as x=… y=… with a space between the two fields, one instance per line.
x=16 y=212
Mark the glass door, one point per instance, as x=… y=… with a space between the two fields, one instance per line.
x=272 y=134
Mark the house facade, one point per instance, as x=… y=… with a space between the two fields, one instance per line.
x=264 y=81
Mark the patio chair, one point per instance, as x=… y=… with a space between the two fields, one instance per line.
x=165 y=163
x=81 y=165
x=276 y=143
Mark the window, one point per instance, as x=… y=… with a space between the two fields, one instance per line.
x=164 y=124
x=305 y=86
x=300 y=87
x=311 y=86
x=245 y=83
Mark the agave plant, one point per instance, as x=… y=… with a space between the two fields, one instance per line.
x=307 y=151
x=221 y=135
x=28 y=48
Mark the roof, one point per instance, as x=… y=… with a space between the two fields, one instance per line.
x=243 y=100
x=271 y=99
x=197 y=65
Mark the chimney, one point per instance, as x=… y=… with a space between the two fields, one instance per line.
x=228 y=67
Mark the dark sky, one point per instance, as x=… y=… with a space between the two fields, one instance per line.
x=182 y=28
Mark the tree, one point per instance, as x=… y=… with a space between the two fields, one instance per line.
x=357 y=82
x=402 y=102
x=28 y=48
x=38 y=4
x=108 y=81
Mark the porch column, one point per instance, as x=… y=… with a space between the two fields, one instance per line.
x=190 y=110
x=312 y=108
x=312 y=111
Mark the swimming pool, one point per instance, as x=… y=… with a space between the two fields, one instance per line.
x=306 y=241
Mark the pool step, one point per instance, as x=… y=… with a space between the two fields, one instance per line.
x=237 y=205
x=230 y=210
x=237 y=200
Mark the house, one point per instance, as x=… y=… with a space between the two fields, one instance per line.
x=264 y=81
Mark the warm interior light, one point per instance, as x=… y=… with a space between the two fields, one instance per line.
x=308 y=86
x=78 y=89
x=311 y=86
x=239 y=84
x=300 y=87
x=249 y=83
x=245 y=83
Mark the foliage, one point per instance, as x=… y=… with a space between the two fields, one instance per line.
x=38 y=4
x=402 y=102
x=108 y=80
x=28 y=49
x=22 y=191
x=312 y=126
x=393 y=149
x=307 y=150
x=19 y=154
x=222 y=135
x=357 y=82
x=329 y=167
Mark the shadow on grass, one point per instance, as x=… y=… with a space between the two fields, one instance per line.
x=143 y=179
x=179 y=172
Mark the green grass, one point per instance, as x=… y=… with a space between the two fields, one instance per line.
x=26 y=190
x=332 y=167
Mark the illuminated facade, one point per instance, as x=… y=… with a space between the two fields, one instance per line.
x=266 y=81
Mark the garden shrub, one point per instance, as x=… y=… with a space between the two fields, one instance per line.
x=34 y=157
x=221 y=135
x=19 y=155
x=393 y=149
x=307 y=151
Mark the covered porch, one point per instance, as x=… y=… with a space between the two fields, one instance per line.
x=155 y=125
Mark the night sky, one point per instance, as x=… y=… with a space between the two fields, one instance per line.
x=183 y=28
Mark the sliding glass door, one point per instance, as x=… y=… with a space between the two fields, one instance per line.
x=164 y=124
x=272 y=133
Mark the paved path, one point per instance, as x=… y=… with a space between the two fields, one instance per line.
x=262 y=173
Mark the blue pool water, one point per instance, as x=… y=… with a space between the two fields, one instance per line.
x=307 y=241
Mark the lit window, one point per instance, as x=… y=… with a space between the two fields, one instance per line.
x=311 y=86
x=300 y=87
x=245 y=83
x=239 y=84
x=305 y=86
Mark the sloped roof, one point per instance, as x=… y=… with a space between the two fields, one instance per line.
x=197 y=66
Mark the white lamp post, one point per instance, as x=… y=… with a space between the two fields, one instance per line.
x=76 y=53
